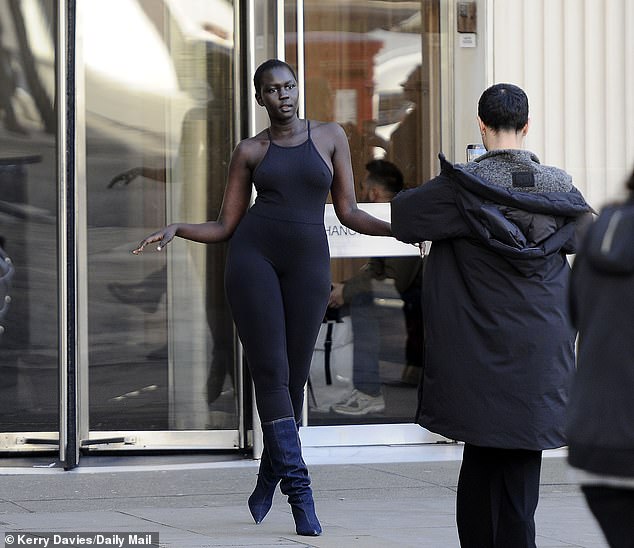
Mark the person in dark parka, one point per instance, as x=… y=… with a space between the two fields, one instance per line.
x=600 y=425
x=499 y=345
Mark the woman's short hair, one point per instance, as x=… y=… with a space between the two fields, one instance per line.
x=268 y=65
x=504 y=107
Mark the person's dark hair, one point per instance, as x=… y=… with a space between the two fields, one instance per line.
x=268 y=65
x=504 y=107
x=386 y=174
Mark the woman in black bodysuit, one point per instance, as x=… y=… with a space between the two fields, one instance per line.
x=277 y=274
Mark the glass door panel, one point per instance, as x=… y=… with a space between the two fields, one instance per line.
x=373 y=67
x=159 y=123
x=28 y=227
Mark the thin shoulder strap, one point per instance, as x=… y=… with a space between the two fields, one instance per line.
x=308 y=126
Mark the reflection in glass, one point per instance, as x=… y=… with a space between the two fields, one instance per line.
x=28 y=218
x=373 y=68
x=159 y=132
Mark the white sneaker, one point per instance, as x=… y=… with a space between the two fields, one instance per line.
x=360 y=404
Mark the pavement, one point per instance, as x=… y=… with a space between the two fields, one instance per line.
x=365 y=497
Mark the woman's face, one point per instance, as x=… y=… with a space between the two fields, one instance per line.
x=278 y=93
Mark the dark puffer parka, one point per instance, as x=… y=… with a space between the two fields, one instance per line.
x=499 y=344
x=601 y=411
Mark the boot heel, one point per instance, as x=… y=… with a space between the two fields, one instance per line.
x=306 y=522
x=285 y=453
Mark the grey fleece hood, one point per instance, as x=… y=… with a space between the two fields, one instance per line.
x=500 y=167
x=521 y=209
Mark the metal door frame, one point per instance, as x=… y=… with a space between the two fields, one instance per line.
x=75 y=432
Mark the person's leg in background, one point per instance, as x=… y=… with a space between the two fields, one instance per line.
x=367 y=344
x=415 y=343
x=220 y=324
x=367 y=396
x=146 y=294
x=613 y=508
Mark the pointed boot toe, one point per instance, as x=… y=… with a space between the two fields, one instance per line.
x=259 y=506
x=261 y=499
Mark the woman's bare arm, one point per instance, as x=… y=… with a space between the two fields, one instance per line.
x=342 y=190
x=234 y=205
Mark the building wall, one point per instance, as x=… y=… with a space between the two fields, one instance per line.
x=466 y=74
x=575 y=59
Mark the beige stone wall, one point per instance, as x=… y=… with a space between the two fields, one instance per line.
x=575 y=59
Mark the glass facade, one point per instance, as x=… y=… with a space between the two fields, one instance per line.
x=159 y=123
x=373 y=68
x=160 y=105
x=28 y=218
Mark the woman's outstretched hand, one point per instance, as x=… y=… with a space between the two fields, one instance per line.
x=163 y=237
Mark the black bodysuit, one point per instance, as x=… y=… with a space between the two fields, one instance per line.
x=277 y=275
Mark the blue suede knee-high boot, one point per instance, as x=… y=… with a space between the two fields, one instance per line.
x=261 y=499
x=285 y=456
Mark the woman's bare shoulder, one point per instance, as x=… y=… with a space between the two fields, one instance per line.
x=329 y=134
x=252 y=149
x=332 y=128
x=261 y=140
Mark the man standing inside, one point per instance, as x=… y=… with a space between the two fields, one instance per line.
x=499 y=345
x=382 y=182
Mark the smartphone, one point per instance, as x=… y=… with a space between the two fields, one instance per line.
x=473 y=151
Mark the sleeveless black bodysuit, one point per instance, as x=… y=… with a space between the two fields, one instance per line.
x=277 y=274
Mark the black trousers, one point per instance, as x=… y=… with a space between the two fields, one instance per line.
x=613 y=508
x=498 y=491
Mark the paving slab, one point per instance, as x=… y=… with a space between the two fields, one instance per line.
x=360 y=504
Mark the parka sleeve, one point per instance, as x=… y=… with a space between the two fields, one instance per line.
x=428 y=212
x=582 y=224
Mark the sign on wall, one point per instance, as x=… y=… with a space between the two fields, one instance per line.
x=346 y=243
